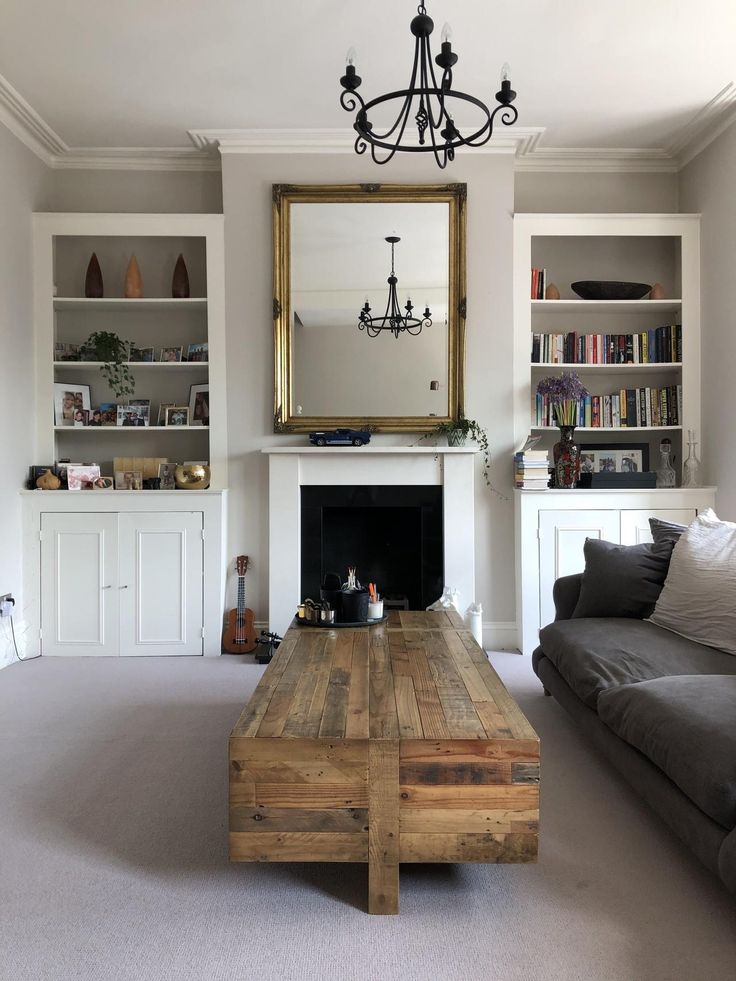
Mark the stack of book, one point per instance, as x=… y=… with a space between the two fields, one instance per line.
x=630 y=408
x=659 y=345
x=531 y=467
x=539 y=283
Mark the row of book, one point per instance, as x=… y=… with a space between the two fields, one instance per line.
x=531 y=466
x=630 y=408
x=659 y=345
x=539 y=283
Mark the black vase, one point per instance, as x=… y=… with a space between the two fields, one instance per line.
x=354 y=606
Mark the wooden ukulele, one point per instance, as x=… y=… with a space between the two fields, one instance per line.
x=240 y=633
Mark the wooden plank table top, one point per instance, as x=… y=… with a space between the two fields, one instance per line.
x=391 y=743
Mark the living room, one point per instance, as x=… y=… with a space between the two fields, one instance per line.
x=129 y=141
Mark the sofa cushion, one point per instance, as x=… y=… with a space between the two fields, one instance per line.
x=699 y=597
x=686 y=726
x=599 y=653
x=622 y=580
x=666 y=531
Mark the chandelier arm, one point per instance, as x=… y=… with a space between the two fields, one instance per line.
x=508 y=116
x=350 y=100
x=405 y=109
x=439 y=89
x=440 y=156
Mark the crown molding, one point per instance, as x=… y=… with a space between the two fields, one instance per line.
x=705 y=126
x=208 y=145
x=236 y=141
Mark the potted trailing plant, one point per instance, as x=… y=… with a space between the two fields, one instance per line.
x=565 y=392
x=458 y=431
x=106 y=346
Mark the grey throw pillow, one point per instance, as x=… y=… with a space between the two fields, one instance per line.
x=666 y=531
x=622 y=580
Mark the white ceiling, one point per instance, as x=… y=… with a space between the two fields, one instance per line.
x=613 y=73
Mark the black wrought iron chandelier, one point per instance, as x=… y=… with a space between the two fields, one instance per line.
x=426 y=101
x=393 y=319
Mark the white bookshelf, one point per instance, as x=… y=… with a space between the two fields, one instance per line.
x=637 y=248
x=63 y=244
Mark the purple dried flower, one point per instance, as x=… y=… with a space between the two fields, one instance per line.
x=565 y=387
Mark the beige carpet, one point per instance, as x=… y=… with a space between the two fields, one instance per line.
x=113 y=857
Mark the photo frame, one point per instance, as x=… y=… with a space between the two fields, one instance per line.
x=163 y=406
x=199 y=404
x=614 y=458
x=81 y=477
x=177 y=415
x=128 y=480
x=81 y=417
x=103 y=483
x=142 y=354
x=198 y=352
x=108 y=413
x=166 y=476
x=68 y=397
x=171 y=354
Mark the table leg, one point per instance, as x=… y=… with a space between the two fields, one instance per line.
x=383 y=826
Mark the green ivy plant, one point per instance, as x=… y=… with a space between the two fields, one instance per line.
x=458 y=430
x=104 y=345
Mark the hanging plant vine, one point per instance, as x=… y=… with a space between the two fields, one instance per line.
x=106 y=346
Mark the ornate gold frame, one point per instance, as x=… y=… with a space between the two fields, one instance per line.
x=284 y=195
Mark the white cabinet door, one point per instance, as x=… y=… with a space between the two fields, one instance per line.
x=79 y=594
x=160 y=586
x=635 y=524
x=562 y=535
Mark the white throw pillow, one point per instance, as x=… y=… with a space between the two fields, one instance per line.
x=698 y=600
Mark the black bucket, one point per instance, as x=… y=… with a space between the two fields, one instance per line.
x=354 y=606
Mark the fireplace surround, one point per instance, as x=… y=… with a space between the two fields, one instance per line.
x=293 y=468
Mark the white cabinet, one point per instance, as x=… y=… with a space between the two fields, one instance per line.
x=551 y=528
x=121 y=583
x=79 y=596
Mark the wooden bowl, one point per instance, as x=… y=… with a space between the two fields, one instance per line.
x=603 y=289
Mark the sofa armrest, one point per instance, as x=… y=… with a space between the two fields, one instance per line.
x=565 y=593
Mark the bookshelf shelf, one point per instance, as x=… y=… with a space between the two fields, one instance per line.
x=130 y=430
x=125 y=305
x=135 y=365
x=609 y=429
x=604 y=369
x=606 y=306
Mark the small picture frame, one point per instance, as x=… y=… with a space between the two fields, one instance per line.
x=171 y=354
x=198 y=352
x=177 y=415
x=163 y=406
x=142 y=411
x=81 y=477
x=199 y=404
x=67 y=352
x=81 y=417
x=103 y=483
x=108 y=413
x=95 y=417
x=142 y=354
x=166 y=476
x=68 y=397
x=134 y=415
x=615 y=458
x=128 y=480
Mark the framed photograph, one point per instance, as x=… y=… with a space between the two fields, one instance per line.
x=81 y=417
x=108 y=413
x=67 y=352
x=103 y=483
x=81 y=477
x=142 y=411
x=128 y=480
x=199 y=404
x=166 y=476
x=141 y=354
x=198 y=352
x=171 y=354
x=69 y=397
x=133 y=415
x=615 y=458
x=177 y=415
x=60 y=469
x=163 y=406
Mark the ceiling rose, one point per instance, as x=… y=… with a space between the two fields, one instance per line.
x=426 y=105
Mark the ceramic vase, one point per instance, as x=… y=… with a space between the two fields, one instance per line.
x=93 y=288
x=566 y=456
x=133 y=280
x=180 y=280
x=456 y=437
x=48 y=481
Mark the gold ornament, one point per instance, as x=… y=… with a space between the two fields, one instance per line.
x=192 y=476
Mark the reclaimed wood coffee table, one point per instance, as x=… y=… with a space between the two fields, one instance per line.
x=385 y=744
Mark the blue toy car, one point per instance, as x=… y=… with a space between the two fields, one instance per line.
x=340 y=437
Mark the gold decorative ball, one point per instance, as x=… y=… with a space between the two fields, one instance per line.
x=192 y=476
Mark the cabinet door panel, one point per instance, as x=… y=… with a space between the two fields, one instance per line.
x=79 y=602
x=562 y=536
x=161 y=583
x=635 y=524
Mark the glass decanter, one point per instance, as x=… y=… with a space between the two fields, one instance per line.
x=665 y=471
x=691 y=477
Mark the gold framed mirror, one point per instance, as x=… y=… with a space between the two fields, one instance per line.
x=347 y=352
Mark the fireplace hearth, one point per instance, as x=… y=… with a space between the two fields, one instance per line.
x=391 y=534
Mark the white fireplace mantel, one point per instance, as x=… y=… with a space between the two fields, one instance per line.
x=291 y=467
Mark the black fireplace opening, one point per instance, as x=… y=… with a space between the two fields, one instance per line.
x=391 y=534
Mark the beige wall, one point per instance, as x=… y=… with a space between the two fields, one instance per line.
x=136 y=190
x=247 y=183
x=707 y=186
x=564 y=193
x=23 y=189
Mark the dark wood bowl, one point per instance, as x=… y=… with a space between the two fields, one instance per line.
x=603 y=289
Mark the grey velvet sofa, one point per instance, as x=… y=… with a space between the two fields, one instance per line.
x=661 y=708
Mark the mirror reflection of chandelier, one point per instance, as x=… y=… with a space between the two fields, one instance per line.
x=393 y=319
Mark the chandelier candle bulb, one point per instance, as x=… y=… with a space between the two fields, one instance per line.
x=446 y=32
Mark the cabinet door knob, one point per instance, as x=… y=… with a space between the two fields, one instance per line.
x=105 y=587
x=122 y=587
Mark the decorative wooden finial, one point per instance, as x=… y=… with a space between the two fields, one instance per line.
x=180 y=281
x=93 y=280
x=133 y=280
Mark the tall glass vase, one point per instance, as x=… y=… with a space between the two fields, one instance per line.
x=566 y=456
